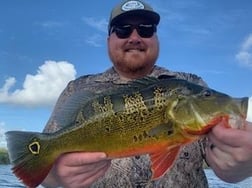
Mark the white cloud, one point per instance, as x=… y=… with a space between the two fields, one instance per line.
x=244 y=56
x=247 y=45
x=41 y=89
x=2 y=136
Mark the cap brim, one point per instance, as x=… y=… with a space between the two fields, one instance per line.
x=151 y=16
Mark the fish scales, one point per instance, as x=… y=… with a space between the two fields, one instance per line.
x=128 y=125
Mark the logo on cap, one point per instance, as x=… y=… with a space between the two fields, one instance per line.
x=132 y=5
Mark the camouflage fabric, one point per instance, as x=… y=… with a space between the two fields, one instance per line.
x=135 y=171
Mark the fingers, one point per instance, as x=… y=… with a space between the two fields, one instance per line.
x=85 y=178
x=226 y=166
x=86 y=168
x=80 y=169
x=225 y=145
x=221 y=135
x=80 y=158
x=248 y=126
x=97 y=173
x=216 y=156
x=229 y=151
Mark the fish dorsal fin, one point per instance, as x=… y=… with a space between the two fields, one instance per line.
x=163 y=160
x=131 y=86
x=66 y=115
x=165 y=76
x=145 y=80
x=149 y=80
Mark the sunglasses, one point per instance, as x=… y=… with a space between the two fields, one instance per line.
x=124 y=31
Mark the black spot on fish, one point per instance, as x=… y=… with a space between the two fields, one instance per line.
x=135 y=138
x=107 y=129
x=145 y=135
x=140 y=137
x=170 y=132
x=34 y=147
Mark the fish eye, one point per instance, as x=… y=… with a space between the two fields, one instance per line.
x=207 y=93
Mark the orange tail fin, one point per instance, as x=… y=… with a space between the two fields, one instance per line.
x=29 y=156
x=30 y=178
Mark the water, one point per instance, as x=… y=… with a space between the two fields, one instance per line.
x=215 y=182
x=7 y=180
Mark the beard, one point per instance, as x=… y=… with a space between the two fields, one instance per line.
x=133 y=62
x=134 y=68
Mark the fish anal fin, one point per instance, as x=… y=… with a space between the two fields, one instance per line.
x=163 y=160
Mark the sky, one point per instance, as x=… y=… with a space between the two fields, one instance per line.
x=45 y=44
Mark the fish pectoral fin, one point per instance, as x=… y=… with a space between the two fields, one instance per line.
x=162 y=161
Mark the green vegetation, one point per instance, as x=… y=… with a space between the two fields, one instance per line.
x=4 y=158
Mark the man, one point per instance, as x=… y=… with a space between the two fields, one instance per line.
x=133 y=48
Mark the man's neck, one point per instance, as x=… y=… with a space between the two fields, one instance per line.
x=131 y=75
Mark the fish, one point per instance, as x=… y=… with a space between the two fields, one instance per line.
x=146 y=116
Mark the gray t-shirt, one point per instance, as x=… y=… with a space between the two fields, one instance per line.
x=135 y=171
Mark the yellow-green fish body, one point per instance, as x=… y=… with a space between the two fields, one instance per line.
x=148 y=116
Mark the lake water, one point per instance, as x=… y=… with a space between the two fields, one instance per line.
x=7 y=180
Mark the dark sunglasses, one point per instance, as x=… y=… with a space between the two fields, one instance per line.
x=124 y=31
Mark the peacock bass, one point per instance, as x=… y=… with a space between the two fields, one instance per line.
x=147 y=116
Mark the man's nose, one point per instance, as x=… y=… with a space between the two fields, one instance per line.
x=134 y=37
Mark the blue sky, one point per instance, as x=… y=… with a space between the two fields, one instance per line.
x=44 y=44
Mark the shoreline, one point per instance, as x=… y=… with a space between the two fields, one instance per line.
x=4 y=157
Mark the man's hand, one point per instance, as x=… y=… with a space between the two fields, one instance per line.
x=78 y=169
x=229 y=152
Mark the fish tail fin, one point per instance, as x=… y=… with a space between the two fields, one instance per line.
x=29 y=156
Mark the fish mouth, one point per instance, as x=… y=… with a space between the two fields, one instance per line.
x=234 y=117
x=238 y=121
x=242 y=103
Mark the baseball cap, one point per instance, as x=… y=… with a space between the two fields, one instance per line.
x=133 y=7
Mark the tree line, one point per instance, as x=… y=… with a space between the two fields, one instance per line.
x=4 y=157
